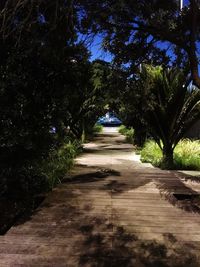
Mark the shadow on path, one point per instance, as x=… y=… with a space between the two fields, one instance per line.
x=94 y=219
x=95 y=242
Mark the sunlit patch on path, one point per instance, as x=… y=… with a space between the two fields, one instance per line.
x=112 y=210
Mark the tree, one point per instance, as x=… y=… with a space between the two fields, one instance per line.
x=133 y=29
x=127 y=26
x=110 y=81
x=38 y=82
x=132 y=108
x=172 y=107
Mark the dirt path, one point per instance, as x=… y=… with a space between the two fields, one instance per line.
x=112 y=211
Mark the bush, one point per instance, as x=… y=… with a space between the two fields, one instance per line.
x=186 y=154
x=128 y=132
x=39 y=176
x=22 y=181
x=98 y=128
x=151 y=153
x=59 y=162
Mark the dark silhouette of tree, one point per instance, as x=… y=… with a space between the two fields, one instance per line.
x=133 y=29
x=45 y=82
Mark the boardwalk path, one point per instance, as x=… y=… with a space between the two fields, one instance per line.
x=114 y=211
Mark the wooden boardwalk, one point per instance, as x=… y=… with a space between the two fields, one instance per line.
x=113 y=211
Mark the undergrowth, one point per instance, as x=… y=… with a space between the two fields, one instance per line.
x=98 y=128
x=186 y=154
x=128 y=132
x=59 y=162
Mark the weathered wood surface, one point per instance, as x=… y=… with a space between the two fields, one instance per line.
x=113 y=211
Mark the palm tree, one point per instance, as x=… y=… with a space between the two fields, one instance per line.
x=171 y=107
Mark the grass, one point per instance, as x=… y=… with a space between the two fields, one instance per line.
x=186 y=154
x=128 y=132
x=151 y=153
x=92 y=131
x=98 y=128
x=43 y=177
x=59 y=163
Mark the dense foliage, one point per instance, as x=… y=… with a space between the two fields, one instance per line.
x=47 y=95
x=147 y=31
x=165 y=103
x=51 y=94
x=128 y=132
x=132 y=109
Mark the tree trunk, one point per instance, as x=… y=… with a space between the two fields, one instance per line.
x=167 y=160
x=139 y=137
x=83 y=131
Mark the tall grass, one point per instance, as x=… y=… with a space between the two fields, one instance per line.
x=186 y=154
x=59 y=163
x=151 y=153
x=128 y=132
x=98 y=128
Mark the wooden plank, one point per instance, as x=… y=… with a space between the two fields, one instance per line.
x=107 y=221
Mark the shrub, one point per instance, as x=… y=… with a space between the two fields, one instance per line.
x=186 y=154
x=59 y=162
x=98 y=128
x=39 y=176
x=151 y=153
x=128 y=132
x=22 y=181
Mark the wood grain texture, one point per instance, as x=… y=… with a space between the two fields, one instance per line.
x=111 y=210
